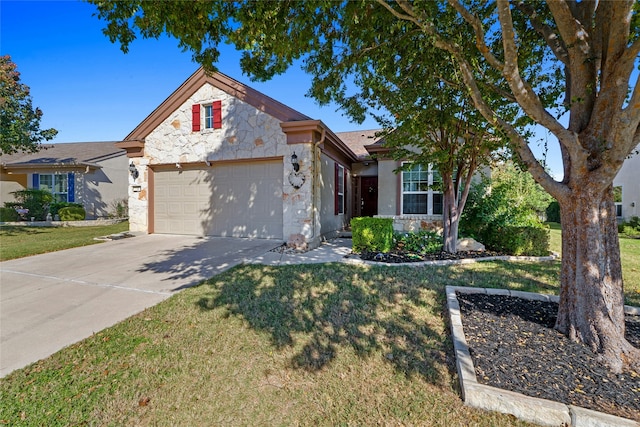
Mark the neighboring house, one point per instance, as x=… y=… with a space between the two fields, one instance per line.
x=93 y=174
x=627 y=184
x=219 y=158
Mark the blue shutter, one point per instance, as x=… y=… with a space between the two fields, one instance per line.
x=71 y=187
x=36 y=180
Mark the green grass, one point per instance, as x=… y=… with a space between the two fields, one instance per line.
x=22 y=241
x=320 y=345
x=629 y=257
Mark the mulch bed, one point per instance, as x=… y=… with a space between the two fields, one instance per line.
x=514 y=347
x=401 y=257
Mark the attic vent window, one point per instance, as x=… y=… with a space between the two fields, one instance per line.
x=207 y=116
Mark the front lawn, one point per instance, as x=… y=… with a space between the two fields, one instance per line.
x=322 y=345
x=21 y=241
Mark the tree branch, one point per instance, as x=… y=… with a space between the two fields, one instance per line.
x=479 y=32
x=550 y=36
x=522 y=91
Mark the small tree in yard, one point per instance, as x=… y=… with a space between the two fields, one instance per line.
x=521 y=53
x=19 y=121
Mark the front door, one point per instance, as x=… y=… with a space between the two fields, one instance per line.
x=369 y=195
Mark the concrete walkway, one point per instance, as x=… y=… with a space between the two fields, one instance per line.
x=52 y=300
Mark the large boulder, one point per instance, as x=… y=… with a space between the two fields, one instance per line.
x=469 y=245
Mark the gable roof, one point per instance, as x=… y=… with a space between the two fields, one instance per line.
x=221 y=81
x=357 y=141
x=75 y=155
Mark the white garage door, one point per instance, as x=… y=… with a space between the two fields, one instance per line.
x=235 y=200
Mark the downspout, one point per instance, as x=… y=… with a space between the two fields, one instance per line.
x=315 y=179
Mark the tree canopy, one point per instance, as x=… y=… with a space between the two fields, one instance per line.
x=19 y=120
x=541 y=60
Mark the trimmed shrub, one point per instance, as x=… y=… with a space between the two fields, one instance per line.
x=531 y=241
x=9 y=215
x=372 y=234
x=36 y=201
x=72 y=213
x=553 y=212
x=54 y=208
x=421 y=242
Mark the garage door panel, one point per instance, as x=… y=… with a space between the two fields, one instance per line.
x=239 y=200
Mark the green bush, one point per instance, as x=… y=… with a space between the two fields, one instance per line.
x=553 y=212
x=421 y=242
x=9 y=215
x=72 y=213
x=54 y=208
x=372 y=234
x=35 y=201
x=531 y=241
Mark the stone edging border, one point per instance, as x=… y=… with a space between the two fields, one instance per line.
x=451 y=261
x=531 y=409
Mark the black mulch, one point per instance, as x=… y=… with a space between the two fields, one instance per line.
x=514 y=346
x=399 y=257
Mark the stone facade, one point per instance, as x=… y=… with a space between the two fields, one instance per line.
x=247 y=133
x=413 y=223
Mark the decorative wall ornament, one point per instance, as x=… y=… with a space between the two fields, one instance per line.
x=296 y=179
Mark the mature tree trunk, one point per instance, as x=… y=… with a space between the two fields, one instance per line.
x=591 y=296
x=450 y=217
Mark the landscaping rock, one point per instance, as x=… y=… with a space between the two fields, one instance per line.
x=469 y=244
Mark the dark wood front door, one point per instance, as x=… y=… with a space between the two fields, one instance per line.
x=369 y=195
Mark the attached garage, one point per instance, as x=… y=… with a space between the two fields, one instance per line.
x=242 y=199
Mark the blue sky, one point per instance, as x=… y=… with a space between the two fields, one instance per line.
x=89 y=90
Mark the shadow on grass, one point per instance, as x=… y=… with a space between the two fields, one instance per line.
x=13 y=231
x=318 y=309
x=396 y=312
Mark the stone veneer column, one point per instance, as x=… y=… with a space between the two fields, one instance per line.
x=139 y=200
x=301 y=226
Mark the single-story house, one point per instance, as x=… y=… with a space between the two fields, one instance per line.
x=220 y=158
x=627 y=183
x=93 y=174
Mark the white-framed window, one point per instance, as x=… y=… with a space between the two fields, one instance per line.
x=617 y=198
x=56 y=184
x=340 y=189
x=212 y=119
x=420 y=192
x=208 y=116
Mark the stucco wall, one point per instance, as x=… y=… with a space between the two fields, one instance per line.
x=103 y=187
x=10 y=183
x=629 y=179
x=330 y=222
x=387 y=187
x=246 y=133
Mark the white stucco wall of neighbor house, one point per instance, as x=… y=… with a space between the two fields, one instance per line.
x=247 y=133
x=629 y=179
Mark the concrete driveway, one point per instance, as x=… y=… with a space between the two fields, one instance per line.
x=53 y=300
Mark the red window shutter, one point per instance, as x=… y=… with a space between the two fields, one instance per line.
x=217 y=114
x=195 y=118
x=336 y=202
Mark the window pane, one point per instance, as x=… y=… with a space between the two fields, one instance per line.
x=414 y=204
x=617 y=194
x=208 y=117
x=437 y=203
x=60 y=184
x=46 y=182
x=436 y=177
x=340 y=180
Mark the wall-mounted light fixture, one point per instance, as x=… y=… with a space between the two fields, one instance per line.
x=296 y=178
x=294 y=162
x=133 y=171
